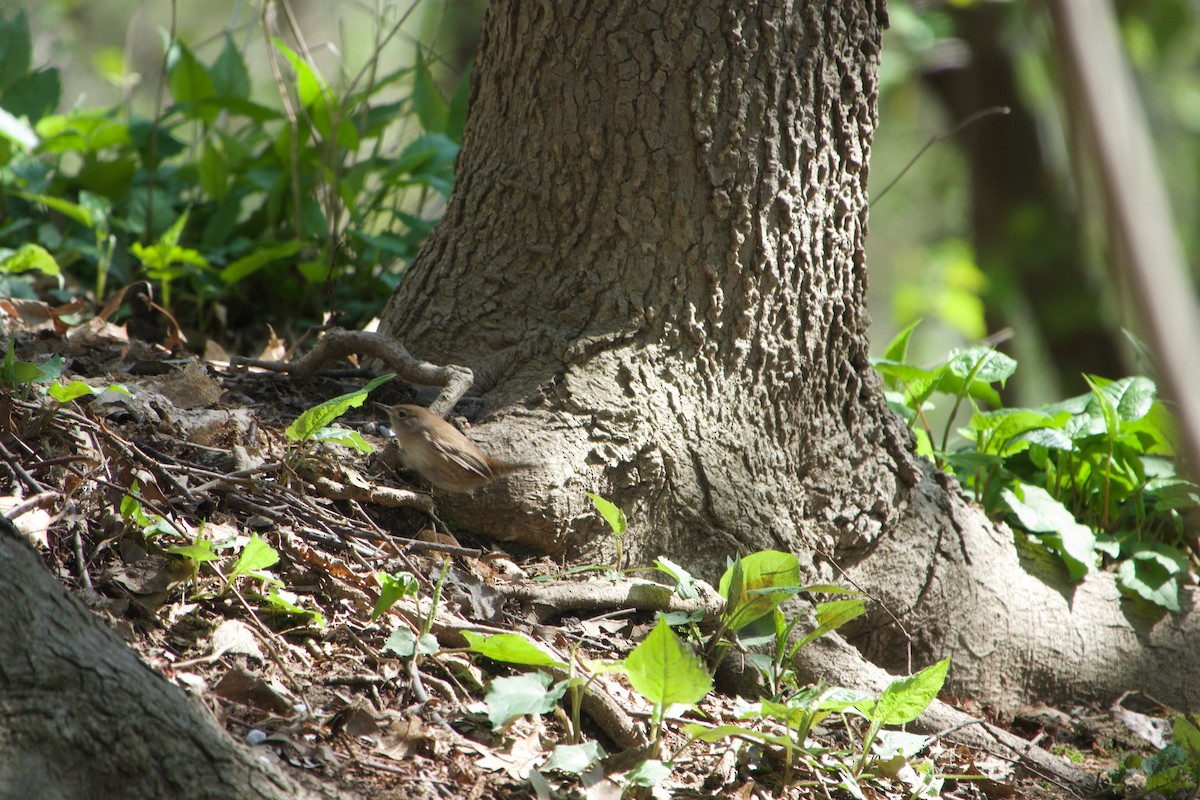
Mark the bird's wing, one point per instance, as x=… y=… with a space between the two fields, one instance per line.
x=471 y=460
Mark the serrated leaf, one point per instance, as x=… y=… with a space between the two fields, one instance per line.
x=665 y=671
x=199 y=551
x=317 y=417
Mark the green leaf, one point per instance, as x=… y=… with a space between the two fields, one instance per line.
x=511 y=648
x=665 y=671
x=830 y=617
x=189 y=81
x=431 y=108
x=574 y=759
x=230 y=77
x=18 y=131
x=685 y=584
x=614 y=516
x=345 y=437
x=761 y=573
x=213 y=171
x=310 y=86
x=650 y=772
x=1108 y=408
x=16 y=49
x=33 y=95
x=307 y=424
x=65 y=393
x=391 y=589
x=31 y=257
x=256 y=556
x=531 y=693
x=987 y=364
x=456 y=117
x=286 y=602
x=259 y=258
x=904 y=699
x=199 y=551
x=405 y=643
x=1185 y=735
x=1038 y=512
x=1151 y=572
x=64 y=207
x=897 y=349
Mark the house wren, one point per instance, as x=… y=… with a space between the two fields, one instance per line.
x=439 y=453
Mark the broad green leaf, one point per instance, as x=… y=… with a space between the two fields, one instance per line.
x=511 y=648
x=16 y=48
x=650 y=772
x=1001 y=426
x=614 y=516
x=391 y=589
x=705 y=733
x=431 y=108
x=665 y=671
x=189 y=80
x=761 y=573
x=1151 y=572
x=1185 y=735
x=406 y=644
x=34 y=95
x=685 y=584
x=213 y=171
x=256 y=556
x=530 y=693
x=982 y=364
x=574 y=758
x=31 y=257
x=229 y=75
x=317 y=417
x=1038 y=512
x=310 y=86
x=77 y=212
x=904 y=699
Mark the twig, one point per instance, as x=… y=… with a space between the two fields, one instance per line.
x=337 y=344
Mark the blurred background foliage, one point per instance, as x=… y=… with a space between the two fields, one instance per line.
x=998 y=228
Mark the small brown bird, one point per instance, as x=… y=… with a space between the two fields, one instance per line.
x=439 y=453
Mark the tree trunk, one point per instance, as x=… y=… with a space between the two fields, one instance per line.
x=653 y=261
x=82 y=717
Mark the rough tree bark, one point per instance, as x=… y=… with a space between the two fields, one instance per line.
x=653 y=261
x=82 y=717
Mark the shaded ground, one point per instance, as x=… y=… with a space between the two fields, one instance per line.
x=144 y=502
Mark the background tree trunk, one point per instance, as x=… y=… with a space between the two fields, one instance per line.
x=653 y=261
x=82 y=717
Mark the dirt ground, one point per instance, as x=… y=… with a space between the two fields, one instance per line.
x=149 y=505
